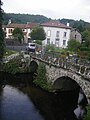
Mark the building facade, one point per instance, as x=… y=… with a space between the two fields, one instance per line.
x=75 y=34
x=56 y=33
x=26 y=28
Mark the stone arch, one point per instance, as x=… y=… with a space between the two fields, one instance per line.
x=33 y=66
x=54 y=73
x=65 y=83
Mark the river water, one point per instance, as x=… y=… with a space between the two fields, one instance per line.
x=28 y=102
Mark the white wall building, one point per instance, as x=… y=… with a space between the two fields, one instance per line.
x=56 y=33
x=26 y=28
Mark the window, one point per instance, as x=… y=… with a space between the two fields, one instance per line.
x=64 y=42
x=9 y=30
x=57 y=42
x=57 y=33
x=65 y=34
x=75 y=36
x=48 y=33
x=48 y=40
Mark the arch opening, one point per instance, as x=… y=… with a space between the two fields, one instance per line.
x=65 y=83
x=33 y=66
x=73 y=93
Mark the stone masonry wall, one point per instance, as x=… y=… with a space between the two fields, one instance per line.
x=54 y=73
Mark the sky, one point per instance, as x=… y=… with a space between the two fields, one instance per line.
x=55 y=9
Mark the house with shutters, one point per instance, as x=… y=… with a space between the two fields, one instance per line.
x=56 y=33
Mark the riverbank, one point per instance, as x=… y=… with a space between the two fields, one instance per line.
x=87 y=117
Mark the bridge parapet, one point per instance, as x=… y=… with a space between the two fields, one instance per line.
x=68 y=64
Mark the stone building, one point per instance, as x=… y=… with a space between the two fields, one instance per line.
x=75 y=34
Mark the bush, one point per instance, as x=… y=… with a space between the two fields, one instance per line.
x=38 y=42
x=11 y=67
x=41 y=79
x=87 y=117
x=84 y=49
x=73 y=45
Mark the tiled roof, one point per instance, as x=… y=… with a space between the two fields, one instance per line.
x=15 y=25
x=31 y=25
x=53 y=23
x=22 y=26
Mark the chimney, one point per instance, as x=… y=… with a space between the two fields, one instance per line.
x=67 y=24
x=9 y=22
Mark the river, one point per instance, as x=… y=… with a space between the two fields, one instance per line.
x=29 y=102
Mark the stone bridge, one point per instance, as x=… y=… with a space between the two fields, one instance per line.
x=60 y=74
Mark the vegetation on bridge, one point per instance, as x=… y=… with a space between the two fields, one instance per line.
x=16 y=65
x=41 y=78
x=13 y=66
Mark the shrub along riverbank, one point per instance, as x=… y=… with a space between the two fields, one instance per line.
x=41 y=78
x=87 y=117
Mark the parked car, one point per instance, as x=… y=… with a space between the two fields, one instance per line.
x=31 y=47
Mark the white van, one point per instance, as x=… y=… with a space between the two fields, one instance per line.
x=31 y=47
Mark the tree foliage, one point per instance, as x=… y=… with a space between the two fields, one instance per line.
x=41 y=78
x=73 y=45
x=18 y=34
x=24 y=18
x=38 y=33
x=1 y=33
x=86 y=38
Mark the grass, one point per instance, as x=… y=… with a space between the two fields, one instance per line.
x=9 y=52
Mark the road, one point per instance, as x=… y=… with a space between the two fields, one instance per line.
x=17 y=48
x=21 y=47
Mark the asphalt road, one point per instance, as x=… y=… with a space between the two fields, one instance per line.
x=20 y=47
x=17 y=48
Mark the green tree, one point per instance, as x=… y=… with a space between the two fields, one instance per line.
x=86 y=38
x=18 y=34
x=38 y=33
x=73 y=45
x=1 y=33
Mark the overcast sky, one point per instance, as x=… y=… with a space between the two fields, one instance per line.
x=55 y=9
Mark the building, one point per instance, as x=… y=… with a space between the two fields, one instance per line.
x=75 y=34
x=26 y=28
x=56 y=33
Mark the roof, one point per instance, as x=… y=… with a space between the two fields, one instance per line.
x=75 y=29
x=22 y=26
x=15 y=25
x=54 y=23
x=31 y=25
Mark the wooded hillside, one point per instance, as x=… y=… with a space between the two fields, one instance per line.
x=24 y=18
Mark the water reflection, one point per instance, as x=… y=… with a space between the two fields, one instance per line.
x=15 y=105
x=21 y=100
x=53 y=106
x=81 y=110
